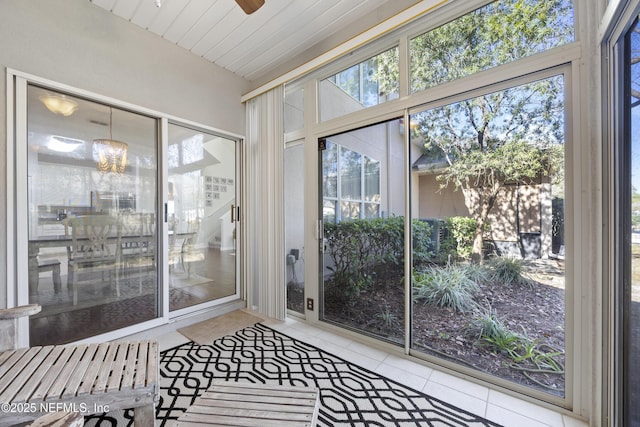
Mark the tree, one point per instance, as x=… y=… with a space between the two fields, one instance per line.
x=510 y=136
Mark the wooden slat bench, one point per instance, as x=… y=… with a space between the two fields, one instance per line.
x=86 y=378
x=228 y=403
x=59 y=419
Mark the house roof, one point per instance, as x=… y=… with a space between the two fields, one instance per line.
x=432 y=162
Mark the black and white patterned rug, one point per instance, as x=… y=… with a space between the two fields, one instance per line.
x=349 y=394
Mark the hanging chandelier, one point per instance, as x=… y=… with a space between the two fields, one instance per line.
x=111 y=155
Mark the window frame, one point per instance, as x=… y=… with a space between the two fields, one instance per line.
x=338 y=199
x=566 y=60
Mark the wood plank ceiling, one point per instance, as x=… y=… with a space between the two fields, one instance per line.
x=251 y=46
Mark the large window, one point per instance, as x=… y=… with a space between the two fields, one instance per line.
x=499 y=33
x=472 y=179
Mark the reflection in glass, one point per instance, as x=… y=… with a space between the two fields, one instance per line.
x=363 y=85
x=488 y=234
x=350 y=174
x=202 y=228
x=92 y=230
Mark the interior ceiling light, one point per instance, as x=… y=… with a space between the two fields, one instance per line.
x=111 y=155
x=250 y=6
x=59 y=104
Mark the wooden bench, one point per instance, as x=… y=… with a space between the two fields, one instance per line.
x=84 y=378
x=228 y=403
x=59 y=419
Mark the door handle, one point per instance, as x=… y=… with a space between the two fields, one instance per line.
x=233 y=213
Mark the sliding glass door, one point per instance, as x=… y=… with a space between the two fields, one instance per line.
x=626 y=291
x=92 y=207
x=202 y=216
x=363 y=215
x=487 y=261
x=490 y=293
x=89 y=228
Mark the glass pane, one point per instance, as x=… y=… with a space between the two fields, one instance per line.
x=350 y=174
x=495 y=34
x=202 y=194
x=371 y=180
x=488 y=236
x=371 y=210
x=329 y=211
x=92 y=217
x=330 y=170
x=363 y=85
x=363 y=254
x=631 y=372
x=349 y=210
x=294 y=201
x=293 y=108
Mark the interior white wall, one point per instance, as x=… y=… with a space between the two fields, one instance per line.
x=79 y=44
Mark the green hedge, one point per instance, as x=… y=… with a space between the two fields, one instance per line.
x=458 y=243
x=361 y=249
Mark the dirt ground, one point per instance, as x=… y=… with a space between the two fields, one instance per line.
x=535 y=311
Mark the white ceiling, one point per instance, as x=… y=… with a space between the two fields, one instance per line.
x=253 y=46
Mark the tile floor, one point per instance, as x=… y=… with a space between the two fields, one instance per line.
x=493 y=405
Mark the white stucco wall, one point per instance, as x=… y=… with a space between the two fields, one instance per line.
x=79 y=44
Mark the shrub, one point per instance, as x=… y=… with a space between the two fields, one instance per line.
x=507 y=270
x=387 y=320
x=476 y=272
x=486 y=325
x=362 y=248
x=527 y=354
x=458 y=242
x=448 y=286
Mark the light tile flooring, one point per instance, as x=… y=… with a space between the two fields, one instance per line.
x=493 y=405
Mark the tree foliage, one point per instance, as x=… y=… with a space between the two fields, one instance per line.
x=509 y=136
x=498 y=33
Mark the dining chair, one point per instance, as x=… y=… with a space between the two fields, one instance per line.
x=138 y=243
x=190 y=252
x=95 y=248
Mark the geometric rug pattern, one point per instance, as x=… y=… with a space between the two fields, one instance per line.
x=349 y=394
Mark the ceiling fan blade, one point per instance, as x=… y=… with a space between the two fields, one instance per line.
x=250 y=6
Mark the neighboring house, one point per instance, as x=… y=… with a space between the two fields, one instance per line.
x=520 y=222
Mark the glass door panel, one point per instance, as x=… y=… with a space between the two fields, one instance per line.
x=362 y=186
x=201 y=214
x=630 y=291
x=488 y=264
x=92 y=186
x=294 y=224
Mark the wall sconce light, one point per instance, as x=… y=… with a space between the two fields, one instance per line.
x=59 y=104
x=111 y=155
